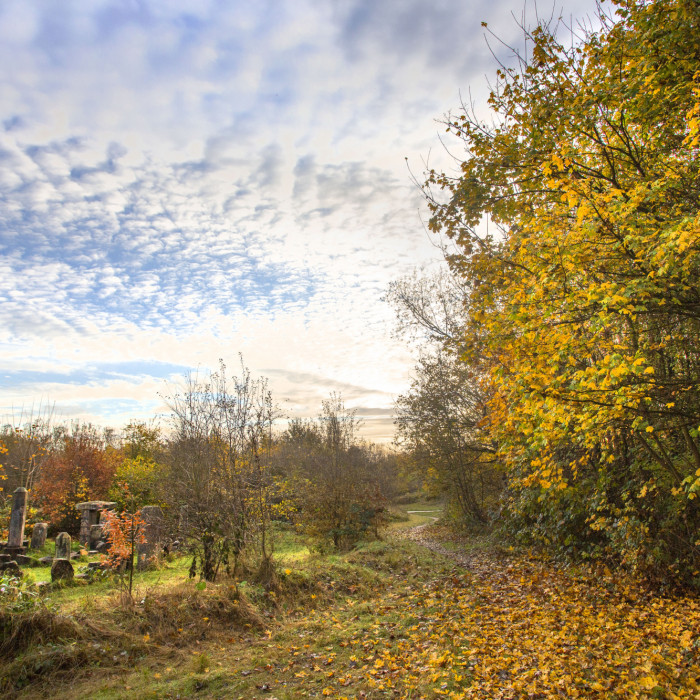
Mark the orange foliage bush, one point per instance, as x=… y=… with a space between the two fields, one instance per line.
x=80 y=469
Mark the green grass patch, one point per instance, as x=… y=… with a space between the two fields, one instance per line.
x=230 y=639
x=407 y=515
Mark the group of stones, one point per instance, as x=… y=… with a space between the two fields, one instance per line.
x=92 y=537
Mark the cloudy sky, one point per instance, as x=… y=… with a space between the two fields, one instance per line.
x=183 y=180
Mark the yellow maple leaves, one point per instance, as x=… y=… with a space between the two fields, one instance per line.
x=584 y=315
x=514 y=626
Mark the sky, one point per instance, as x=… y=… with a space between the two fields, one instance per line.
x=182 y=181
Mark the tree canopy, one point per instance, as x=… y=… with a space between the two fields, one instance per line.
x=576 y=223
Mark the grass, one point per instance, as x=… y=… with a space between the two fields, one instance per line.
x=390 y=619
x=324 y=613
x=231 y=639
x=175 y=640
x=413 y=514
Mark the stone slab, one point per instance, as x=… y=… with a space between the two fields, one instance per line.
x=62 y=570
x=11 y=568
x=24 y=560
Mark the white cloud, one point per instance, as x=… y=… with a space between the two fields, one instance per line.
x=182 y=181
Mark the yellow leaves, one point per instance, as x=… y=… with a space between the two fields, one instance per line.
x=686 y=639
x=649 y=370
x=440 y=660
x=647 y=682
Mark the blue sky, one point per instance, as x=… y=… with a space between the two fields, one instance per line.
x=182 y=181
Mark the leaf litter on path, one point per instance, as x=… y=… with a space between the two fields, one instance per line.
x=516 y=626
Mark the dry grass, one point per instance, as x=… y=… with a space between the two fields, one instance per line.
x=43 y=646
x=89 y=642
x=22 y=630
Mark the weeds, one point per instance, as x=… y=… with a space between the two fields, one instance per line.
x=84 y=637
x=202 y=662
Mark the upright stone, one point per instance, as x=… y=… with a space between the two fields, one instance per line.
x=39 y=535
x=63 y=543
x=62 y=570
x=10 y=568
x=90 y=512
x=152 y=517
x=96 y=535
x=18 y=518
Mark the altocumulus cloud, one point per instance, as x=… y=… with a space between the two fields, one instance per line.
x=180 y=181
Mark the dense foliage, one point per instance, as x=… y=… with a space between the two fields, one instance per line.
x=220 y=473
x=217 y=484
x=576 y=224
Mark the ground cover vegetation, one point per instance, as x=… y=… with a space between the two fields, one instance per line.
x=419 y=615
x=572 y=235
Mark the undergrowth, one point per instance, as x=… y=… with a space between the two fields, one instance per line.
x=66 y=636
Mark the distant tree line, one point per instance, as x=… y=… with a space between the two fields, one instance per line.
x=221 y=469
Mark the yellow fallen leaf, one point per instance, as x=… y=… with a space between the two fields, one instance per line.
x=647 y=682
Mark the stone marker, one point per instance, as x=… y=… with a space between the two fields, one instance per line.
x=39 y=535
x=90 y=512
x=96 y=535
x=152 y=517
x=63 y=543
x=62 y=570
x=18 y=517
x=46 y=561
x=11 y=568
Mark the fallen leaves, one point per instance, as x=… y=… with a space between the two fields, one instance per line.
x=518 y=627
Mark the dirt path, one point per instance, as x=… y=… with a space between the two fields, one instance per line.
x=419 y=535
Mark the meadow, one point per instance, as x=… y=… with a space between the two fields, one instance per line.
x=420 y=613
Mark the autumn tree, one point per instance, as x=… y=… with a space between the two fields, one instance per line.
x=124 y=532
x=218 y=486
x=79 y=467
x=140 y=467
x=28 y=439
x=440 y=422
x=442 y=419
x=575 y=215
